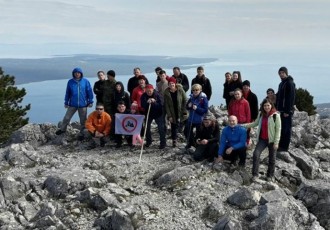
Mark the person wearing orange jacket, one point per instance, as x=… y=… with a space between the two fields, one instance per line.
x=98 y=125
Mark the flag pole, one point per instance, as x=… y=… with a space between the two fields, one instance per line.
x=145 y=131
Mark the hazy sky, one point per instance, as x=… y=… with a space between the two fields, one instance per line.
x=168 y=27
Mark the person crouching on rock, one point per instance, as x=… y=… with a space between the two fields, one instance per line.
x=121 y=108
x=207 y=139
x=98 y=125
x=151 y=100
x=232 y=143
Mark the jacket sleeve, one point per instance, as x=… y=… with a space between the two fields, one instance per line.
x=247 y=112
x=185 y=83
x=89 y=93
x=290 y=92
x=209 y=88
x=67 y=94
x=252 y=124
x=278 y=127
x=107 y=125
x=89 y=124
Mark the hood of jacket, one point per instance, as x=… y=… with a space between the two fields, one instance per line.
x=77 y=70
x=122 y=87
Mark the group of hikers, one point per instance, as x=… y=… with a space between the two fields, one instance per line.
x=167 y=104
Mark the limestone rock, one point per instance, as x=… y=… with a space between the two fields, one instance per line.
x=308 y=165
x=244 y=198
x=227 y=223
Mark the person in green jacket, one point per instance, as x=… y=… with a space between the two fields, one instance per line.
x=268 y=134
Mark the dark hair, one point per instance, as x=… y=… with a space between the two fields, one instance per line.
x=101 y=71
x=176 y=68
x=99 y=104
x=158 y=69
x=111 y=73
x=270 y=90
x=262 y=110
x=121 y=102
x=239 y=76
x=200 y=68
x=162 y=72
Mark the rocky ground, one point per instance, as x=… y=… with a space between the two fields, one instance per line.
x=54 y=182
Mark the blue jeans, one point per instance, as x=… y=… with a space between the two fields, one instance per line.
x=261 y=145
x=285 y=132
x=161 y=130
x=69 y=114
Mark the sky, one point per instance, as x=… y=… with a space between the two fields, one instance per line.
x=205 y=28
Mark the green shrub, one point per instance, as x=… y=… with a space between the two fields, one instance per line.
x=11 y=112
x=304 y=101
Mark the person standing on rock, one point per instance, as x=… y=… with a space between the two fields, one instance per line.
x=98 y=86
x=151 y=100
x=268 y=135
x=175 y=100
x=197 y=105
x=285 y=99
x=98 y=125
x=207 y=139
x=78 y=96
x=232 y=143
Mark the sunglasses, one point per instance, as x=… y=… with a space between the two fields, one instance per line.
x=99 y=108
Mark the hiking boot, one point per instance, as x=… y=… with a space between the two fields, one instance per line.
x=80 y=138
x=147 y=145
x=188 y=146
x=102 y=142
x=91 y=146
x=118 y=145
x=162 y=146
x=174 y=143
x=59 y=132
x=255 y=178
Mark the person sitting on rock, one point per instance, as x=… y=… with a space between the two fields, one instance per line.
x=232 y=143
x=98 y=125
x=121 y=108
x=207 y=139
x=151 y=100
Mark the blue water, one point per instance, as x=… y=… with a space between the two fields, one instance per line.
x=47 y=98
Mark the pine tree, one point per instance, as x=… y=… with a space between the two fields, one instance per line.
x=304 y=101
x=12 y=114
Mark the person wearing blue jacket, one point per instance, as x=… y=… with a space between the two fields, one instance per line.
x=232 y=143
x=197 y=105
x=78 y=96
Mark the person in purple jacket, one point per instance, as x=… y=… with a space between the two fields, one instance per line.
x=232 y=143
x=78 y=96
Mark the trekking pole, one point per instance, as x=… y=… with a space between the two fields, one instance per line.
x=145 y=131
x=190 y=127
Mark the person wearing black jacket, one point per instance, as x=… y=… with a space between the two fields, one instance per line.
x=203 y=81
x=252 y=99
x=98 y=87
x=285 y=99
x=207 y=139
x=181 y=78
x=150 y=99
x=134 y=81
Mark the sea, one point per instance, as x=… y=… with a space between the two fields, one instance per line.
x=47 y=97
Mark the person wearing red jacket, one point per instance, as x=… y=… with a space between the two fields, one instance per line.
x=98 y=125
x=138 y=91
x=240 y=108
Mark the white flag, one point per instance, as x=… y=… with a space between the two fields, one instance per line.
x=128 y=124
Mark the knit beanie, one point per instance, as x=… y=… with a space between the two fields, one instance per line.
x=171 y=79
x=209 y=116
x=284 y=69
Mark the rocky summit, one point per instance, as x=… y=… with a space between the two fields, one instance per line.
x=54 y=182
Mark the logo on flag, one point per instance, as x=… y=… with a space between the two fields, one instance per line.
x=128 y=124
